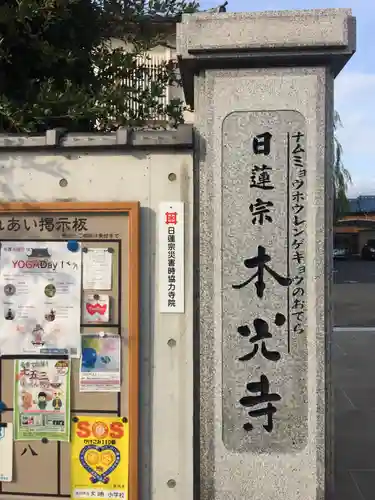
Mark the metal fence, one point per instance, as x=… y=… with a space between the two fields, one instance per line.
x=153 y=64
x=142 y=80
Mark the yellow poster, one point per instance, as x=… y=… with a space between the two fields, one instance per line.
x=100 y=457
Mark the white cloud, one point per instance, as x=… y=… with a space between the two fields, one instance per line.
x=355 y=102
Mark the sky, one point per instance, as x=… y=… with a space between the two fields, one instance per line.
x=354 y=86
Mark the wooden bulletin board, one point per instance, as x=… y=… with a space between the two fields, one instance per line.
x=45 y=473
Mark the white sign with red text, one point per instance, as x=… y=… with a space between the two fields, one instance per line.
x=40 y=297
x=171 y=257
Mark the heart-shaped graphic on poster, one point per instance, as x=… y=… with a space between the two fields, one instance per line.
x=99 y=461
x=96 y=308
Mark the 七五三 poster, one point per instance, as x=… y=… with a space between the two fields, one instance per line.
x=42 y=399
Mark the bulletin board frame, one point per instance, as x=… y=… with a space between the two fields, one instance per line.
x=132 y=211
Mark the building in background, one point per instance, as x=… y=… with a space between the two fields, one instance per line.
x=166 y=51
x=354 y=229
x=155 y=57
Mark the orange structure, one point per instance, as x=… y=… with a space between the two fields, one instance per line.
x=355 y=228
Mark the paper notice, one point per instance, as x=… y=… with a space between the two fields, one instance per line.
x=6 y=452
x=97 y=471
x=42 y=400
x=100 y=363
x=96 y=309
x=40 y=294
x=97 y=269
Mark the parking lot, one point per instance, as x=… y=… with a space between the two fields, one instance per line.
x=353 y=371
x=354 y=293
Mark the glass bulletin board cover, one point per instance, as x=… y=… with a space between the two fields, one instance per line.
x=42 y=400
x=112 y=230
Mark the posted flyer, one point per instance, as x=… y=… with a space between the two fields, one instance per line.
x=99 y=458
x=100 y=363
x=6 y=452
x=97 y=269
x=42 y=400
x=96 y=309
x=40 y=294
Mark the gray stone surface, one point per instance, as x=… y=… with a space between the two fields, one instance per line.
x=268 y=30
x=180 y=137
x=264 y=197
x=259 y=39
x=276 y=475
x=287 y=465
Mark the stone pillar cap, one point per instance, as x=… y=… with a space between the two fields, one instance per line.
x=263 y=39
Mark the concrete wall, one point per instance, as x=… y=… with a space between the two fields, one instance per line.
x=136 y=170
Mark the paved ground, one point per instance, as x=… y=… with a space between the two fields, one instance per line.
x=354 y=305
x=354 y=382
x=354 y=293
x=354 y=271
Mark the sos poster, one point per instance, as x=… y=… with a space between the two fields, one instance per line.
x=99 y=457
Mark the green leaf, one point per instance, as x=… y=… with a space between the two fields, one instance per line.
x=59 y=70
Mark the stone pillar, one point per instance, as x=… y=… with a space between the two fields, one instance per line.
x=261 y=85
